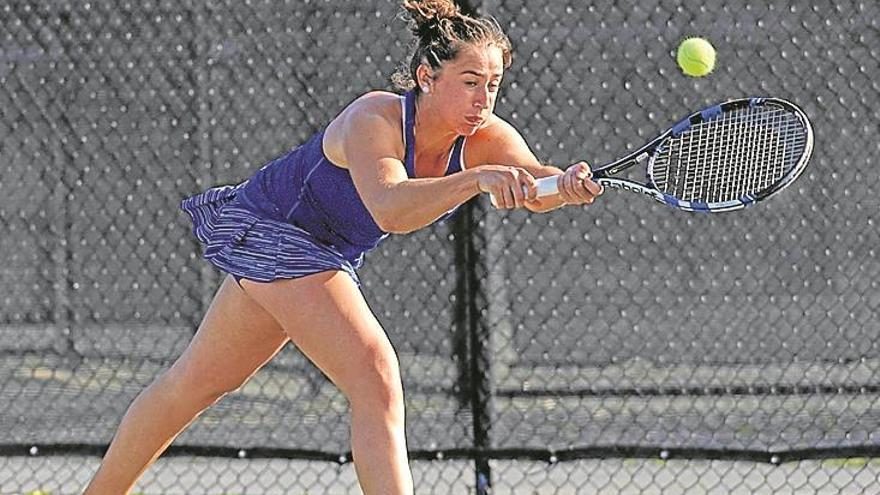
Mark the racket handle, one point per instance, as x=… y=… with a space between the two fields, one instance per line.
x=547 y=186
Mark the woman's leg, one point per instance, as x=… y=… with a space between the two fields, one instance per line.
x=235 y=339
x=332 y=325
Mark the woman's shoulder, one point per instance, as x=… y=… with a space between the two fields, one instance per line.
x=375 y=115
x=496 y=133
x=495 y=126
x=377 y=103
x=370 y=108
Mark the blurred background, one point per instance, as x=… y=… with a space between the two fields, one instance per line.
x=619 y=348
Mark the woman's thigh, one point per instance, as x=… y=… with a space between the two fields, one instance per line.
x=235 y=339
x=327 y=318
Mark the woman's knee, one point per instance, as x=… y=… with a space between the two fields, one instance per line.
x=376 y=382
x=189 y=384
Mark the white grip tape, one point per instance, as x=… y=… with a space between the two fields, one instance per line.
x=547 y=186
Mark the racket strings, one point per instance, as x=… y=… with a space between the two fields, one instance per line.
x=739 y=153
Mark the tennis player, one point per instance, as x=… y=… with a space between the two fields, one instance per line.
x=292 y=236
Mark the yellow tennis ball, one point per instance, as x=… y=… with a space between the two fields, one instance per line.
x=696 y=57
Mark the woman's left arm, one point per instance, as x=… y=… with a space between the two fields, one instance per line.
x=499 y=143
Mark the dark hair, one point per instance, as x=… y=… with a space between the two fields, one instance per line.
x=441 y=31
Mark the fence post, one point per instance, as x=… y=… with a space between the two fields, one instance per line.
x=60 y=230
x=204 y=43
x=479 y=244
x=480 y=313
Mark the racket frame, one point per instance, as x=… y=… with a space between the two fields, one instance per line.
x=603 y=175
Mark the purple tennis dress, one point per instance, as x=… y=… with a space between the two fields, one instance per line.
x=298 y=215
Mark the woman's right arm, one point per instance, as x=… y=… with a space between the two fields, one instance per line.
x=399 y=204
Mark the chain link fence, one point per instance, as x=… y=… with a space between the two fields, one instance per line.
x=618 y=348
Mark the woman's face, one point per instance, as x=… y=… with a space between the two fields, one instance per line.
x=464 y=89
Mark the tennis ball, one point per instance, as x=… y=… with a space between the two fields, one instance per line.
x=696 y=57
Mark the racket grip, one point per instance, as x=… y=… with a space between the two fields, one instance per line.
x=547 y=186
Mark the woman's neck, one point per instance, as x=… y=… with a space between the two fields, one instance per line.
x=433 y=138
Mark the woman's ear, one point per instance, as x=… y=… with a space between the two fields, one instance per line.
x=424 y=78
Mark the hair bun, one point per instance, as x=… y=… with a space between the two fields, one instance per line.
x=427 y=14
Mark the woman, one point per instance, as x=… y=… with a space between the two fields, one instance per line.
x=299 y=227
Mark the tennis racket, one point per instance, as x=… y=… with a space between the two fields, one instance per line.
x=722 y=158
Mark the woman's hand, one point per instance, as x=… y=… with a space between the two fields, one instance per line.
x=509 y=187
x=576 y=186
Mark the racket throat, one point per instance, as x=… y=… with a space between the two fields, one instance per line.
x=632 y=187
x=615 y=168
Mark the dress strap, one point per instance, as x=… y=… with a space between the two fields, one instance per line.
x=409 y=136
x=456 y=161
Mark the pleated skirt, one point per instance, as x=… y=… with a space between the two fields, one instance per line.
x=240 y=242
